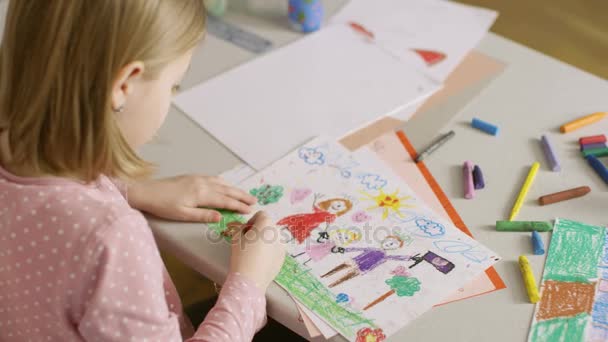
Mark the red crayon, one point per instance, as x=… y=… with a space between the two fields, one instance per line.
x=595 y=139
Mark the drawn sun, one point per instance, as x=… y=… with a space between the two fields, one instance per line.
x=387 y=202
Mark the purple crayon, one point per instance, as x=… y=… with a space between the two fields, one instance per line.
x=467 y=172
x=550 y=154
x=478 y=178
x=585 y=147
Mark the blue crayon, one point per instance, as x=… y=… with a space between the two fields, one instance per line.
x=550 y=154
x=592 y=146
x=478 y=180
x=537 y=244
x=599 y=168
x=484 y=126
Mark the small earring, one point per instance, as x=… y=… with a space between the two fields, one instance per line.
x=119 y=109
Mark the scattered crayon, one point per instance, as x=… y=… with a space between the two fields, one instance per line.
x=469 y=188
x=596 y=152
x=564 y=195
x=586 y=147
x=583 y=121
x=594 y=139
x=550 y=154
x=529 y=281
x=478 y=180
x=434 y=146
x=537 y=244
x=599 y=168
x=484 y=126
x=524 y=190
x=523 y=226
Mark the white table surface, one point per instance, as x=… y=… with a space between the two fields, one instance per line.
x=534 y=95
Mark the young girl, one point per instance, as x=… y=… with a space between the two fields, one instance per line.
x=83 y=84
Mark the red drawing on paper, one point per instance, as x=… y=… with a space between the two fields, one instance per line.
x=430 y=57
x=361 y=30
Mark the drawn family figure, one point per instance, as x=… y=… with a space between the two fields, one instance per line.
x=336 y=240
x=301 y=225
x=368 y=259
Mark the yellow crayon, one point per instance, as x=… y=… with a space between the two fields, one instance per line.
x=584 y=121
x=524 y=190
x=529 y=281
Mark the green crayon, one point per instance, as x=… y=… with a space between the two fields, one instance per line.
x=596 y=152
x=523 y=226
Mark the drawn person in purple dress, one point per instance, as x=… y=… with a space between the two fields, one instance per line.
x=367 y=260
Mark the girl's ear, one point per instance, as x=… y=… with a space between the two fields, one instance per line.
x=125 y=83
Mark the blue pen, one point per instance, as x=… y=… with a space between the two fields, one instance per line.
x=484 y=126
x=599 y=168
x=537 y=244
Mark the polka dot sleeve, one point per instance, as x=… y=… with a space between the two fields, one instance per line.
x=124 y=294
x=239 y=313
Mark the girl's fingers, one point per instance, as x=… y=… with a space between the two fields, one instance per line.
x=220 y=201
x=200 y=215
x=238 y=194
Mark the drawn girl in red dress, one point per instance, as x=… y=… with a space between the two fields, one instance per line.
x=301 y=225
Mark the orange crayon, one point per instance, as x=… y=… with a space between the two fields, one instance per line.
x=584 y=121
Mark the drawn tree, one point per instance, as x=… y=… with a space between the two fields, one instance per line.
x=402 y=286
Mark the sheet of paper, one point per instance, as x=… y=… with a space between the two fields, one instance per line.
x=368 y=256
x=574 y=291
x=330 y=82
x=315 y=325
x=432 y=35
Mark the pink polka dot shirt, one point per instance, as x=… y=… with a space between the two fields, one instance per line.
x=78 y=264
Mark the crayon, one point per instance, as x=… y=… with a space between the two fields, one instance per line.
x=478 y=180
x=484 y=126
x=586 y=147
x=596 y=152
x=537 y=244
x=583 y=121
x=467 y=172
x=434 y=146
x=523 y=226
x=550 y=154
x=524 y=190
x=594 y=139
x=529 y=281
x=599 y=168
x=564 y=195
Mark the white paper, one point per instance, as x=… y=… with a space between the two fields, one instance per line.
x=330 y=82
x=399 y=26
x=357 y=193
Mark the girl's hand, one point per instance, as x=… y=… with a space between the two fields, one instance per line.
x=184 y=198
x=258 y=251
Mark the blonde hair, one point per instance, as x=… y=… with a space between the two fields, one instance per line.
x=58 y=61
x=352 y=236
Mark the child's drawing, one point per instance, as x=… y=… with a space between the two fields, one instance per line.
x=387 y=203
x=327 y=243
x=370 y=335
x=297 y=195
x=372 y=181
x=312 y=156
x=439 y=263
x=430 y=57
x=342 y=298
x=428 y=228
x=360 y=216
x=367 y=260
x=344 y=165
x=267 y=194
x=301 y=225
x=462 y=248
x=401 y=271
x=401 y=285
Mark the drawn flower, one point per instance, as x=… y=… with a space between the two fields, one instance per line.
x=360 y=217
x=342 y=298
x=267 y=194
x=372 y=181
x=311 y=156
x=370 y=335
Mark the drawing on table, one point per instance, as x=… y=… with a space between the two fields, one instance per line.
x=427 y=228
x=367 y=260
x=330 y=242
x=387 y=203
x=301 y=225
x=361 y=216
x=372 y=181
x=462 y=248
x=370 y=335
x=342 y=298
x=430 y=57
x=312 y=155
x=297 y=195
x=344 y=164
x=401 y=271
x=441 y=264
x=267 y=194
x=400 y=285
